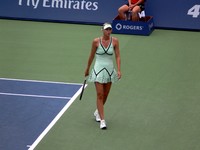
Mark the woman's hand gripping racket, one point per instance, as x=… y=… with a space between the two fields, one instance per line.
x=83 y=87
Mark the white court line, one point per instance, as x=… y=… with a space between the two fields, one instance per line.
x=36 y=81
x=55 y=120
x=38 y=96
x=11 y=79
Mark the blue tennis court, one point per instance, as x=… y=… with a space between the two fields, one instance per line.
x=30 y=108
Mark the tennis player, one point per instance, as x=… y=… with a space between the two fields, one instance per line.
x=103 y=73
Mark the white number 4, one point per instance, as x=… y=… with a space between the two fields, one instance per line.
x=194 y=11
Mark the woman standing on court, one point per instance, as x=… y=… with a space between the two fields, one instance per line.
x=103 y=73
x=133 y=7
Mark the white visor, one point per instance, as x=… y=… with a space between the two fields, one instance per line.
x=106 y=26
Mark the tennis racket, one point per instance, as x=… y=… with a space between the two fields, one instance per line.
x=83 y=87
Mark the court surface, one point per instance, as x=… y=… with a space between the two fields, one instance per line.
x=29 y=109
x=155 y=106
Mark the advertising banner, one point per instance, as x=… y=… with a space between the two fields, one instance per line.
x=82 y=11
x=130 y=27
x=179 y=14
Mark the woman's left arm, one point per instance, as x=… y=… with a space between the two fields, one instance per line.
x=117 y=56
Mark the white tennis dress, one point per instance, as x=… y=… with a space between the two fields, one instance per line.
x=103 y=70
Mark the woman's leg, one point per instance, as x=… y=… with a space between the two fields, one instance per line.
x=100 y=99
x=122 y=10
x=107 y=88
x=135 y=11
x=102 y=94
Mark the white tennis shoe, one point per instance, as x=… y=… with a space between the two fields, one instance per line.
x=103 y=124
x=97 y=117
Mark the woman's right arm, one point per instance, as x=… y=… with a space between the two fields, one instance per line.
x=91 y=57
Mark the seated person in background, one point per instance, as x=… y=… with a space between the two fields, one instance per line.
x=133 y=7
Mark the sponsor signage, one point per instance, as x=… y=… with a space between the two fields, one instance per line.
x=130 y=27
x=78 y=11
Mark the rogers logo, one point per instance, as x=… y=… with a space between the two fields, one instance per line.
x=118 y=26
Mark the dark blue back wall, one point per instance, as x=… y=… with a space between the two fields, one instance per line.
x=179 y=14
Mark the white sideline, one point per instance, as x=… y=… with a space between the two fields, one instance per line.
x=54 y=120
x=29 y=95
